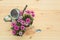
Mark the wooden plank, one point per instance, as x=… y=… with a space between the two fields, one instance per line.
x=47 y=18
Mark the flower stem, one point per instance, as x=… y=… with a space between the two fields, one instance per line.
x=24 y=8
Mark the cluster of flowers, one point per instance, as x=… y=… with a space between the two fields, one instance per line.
x=24 y=21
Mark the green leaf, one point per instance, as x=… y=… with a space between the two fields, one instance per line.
x=19 y=24
x=12 y=28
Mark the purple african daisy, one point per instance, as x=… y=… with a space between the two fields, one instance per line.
x=20 y=33
x=13 y=24
x=32 y=13
x=18 y=20
x=22 y=22
x=14 y=32
x=21 y=13
x=16 y=27
x=22 y=27
x=28 y=20
x=28 y=12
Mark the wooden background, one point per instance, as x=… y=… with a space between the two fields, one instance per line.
x=47 y=18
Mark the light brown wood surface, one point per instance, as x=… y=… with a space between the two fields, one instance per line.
x=47 y=18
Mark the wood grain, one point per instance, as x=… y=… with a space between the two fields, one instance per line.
x=47 y=18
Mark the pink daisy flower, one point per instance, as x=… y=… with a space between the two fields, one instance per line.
x=32 y=13
x=22 y=27
x=18 y=20
x=13 y=24
x=22 y=22
x=21 y=13
x=28 y=12
x=16 y=28
x=14 y=32
x=28 y=20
